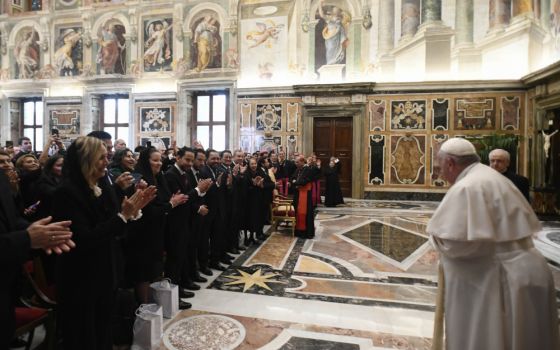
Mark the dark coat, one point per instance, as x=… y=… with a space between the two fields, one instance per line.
x=521 y=182
x=333 y=193
x=300 y=178
x=15 y=246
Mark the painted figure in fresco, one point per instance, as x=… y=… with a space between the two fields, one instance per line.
x=264 y=34
x=555 y=22
x=63 y=56
x=110 y=50
x=27 y=55
x=546 y=145
x=334 y=33
x=157 y=46
x=410 y=18
x=206 y=39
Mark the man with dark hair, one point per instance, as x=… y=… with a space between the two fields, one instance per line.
x=231 y=237
x=106 y=138
x=25 y=147
x=212 y=224
x=180 y=238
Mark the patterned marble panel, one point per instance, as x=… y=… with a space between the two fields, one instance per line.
x=437 y=141
x=269 y=117
x=377 y=110
x=204 y=332
x=408 y=159
x=390 y=241
x=292 y=116
x=409 y=114
x=440 y=114
x=475 y=113
x=274 y=252
x=510 y=112
x=376 y=159
x=313 y=265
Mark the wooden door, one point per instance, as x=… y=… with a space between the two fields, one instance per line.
x=333 y=137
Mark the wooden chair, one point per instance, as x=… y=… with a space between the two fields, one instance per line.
x=282 y=210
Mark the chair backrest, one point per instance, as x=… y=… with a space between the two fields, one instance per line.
x=35 y=278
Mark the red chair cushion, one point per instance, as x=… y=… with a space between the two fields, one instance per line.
x=26 y=315
x=283 y=213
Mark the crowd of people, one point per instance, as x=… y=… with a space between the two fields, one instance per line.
x=119 y=219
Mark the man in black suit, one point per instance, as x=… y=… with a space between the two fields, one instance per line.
x=17 y=238
x=301 y=182
x=239 y=196
x=499 y=161
x=202 y=244
x=212 y=224
x=284 y=170
x=179 y=235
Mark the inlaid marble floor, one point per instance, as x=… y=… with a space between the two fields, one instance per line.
x=367 y=281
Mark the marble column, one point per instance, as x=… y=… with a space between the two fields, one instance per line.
x=522 y=7
x=500 y=14
x=545 y=13
x=431 y=11
x=386 y=27
x=463 y=22
x=410 y=17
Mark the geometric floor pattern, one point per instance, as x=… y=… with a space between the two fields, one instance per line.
x=367 y=281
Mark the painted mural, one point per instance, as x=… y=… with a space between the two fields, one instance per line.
x=207 y=44
x=111 y=52
x=158 y=44
x=264 y=48
x=331 y=35
x=27 y=54
x=68 y=57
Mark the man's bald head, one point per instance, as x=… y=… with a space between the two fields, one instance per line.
x=499 y=160
x=300 y=161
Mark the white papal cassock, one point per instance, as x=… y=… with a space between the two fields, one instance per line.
x=499 y=292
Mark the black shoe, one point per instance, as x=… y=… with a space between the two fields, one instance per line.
x=248 y=242
x=184 y=293
x=190 y=286
x=229 y=256
x=234 y=251
x=241 y=247
x=17 y=343
x=206 y=271
x=261 y=237
x=183 y=305
x=199 y=279
x=225 y=261
x=217 y=266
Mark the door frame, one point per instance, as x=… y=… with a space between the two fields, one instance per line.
x=357 y=112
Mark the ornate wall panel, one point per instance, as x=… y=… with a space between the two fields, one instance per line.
x=440 y=114
x=510 y=112
x=65 y=117
x=376 y=175
x=155 y=122
x=437 y=141
x=475 y=113
x=377 y=115
x=408 y=114
x=408 y=159
x=269 y=123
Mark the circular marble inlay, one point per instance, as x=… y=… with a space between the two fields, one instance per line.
x=265 y=10
x=554 y=237
x=204 y=332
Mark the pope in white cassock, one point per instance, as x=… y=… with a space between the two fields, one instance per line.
x=499 y=292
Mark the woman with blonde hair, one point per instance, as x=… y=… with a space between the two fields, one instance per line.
x=86 y=278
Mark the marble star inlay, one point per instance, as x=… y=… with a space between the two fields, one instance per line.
x=257 y=278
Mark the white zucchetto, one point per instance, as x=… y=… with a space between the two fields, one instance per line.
x=458 y=147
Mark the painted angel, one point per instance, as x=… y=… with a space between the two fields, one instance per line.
x=335 y=33
x=27 y=56
x=264 y=32
x=158 y=49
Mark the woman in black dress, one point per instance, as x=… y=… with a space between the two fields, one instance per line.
x=333 y=193
x=85 y=278
x=144 y=247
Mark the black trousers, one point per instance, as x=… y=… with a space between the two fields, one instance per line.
x=7 y=318
x=85 y=318
x=212 y=238
x=175 y=247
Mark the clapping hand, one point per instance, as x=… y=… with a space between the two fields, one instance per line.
x=235 y=170
x=198 y=145
x=124 y=180
x=229 y=180
x=131 y=206
x=204 y=185
x=243 y=169
x=178 y=198
x=51 y=237
x=219 y=178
